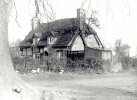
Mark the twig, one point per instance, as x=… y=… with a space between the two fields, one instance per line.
x=16 y=14
x=83 y=3
x=89 y=6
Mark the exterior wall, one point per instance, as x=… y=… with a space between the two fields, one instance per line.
x=36 y=50
x=91 y=41
x=78 y=44
x=93 y=53
x=56 y=60
x=29 y=51
x=75 y=55
x=24 y=52
x=36 y=55
x=106 y=55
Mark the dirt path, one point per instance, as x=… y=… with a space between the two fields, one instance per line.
x=116 y=87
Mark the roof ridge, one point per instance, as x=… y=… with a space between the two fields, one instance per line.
x=59 y=20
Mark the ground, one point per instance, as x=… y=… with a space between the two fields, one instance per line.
x=108 y=86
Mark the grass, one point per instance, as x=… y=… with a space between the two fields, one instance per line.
x=53 y=76
x=86 y=87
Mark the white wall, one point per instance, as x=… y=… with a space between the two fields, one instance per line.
x=78 y=44
x=91 y=41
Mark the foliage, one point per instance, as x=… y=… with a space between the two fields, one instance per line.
x=93 y=19
x=121 y=49
x=122 y=53
x=126 y=62
x=26 y=64
x=54 y=64
x=44 y=9
x=134 y=62
x=89 y=65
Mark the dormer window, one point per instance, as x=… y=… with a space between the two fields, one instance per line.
x=51 y=40
x=52 y=37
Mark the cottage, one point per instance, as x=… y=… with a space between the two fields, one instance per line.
x=69 y=38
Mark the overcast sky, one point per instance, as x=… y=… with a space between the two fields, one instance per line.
x=118 y=20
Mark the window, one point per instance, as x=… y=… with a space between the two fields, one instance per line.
x=21 y=49
x=51 y=40
x=36 y=55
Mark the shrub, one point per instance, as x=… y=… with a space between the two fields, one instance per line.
x=26 y=64
x=88 y=65
x=126 y=62
x=134 y=62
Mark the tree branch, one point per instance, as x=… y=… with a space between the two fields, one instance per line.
x=89 y=6
x=16 y=17
x=83 y=3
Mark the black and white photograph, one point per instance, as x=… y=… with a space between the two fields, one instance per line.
x=68 y=49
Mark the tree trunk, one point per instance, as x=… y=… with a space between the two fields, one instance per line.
x=11 y=86
x=7 y=74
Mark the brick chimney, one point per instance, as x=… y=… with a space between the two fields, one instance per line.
x=35 y=20
x=35 y=23
x=81 y=16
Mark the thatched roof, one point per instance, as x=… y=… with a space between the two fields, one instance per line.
x=25 y=44
x=58 y=25
x=64 y=29
x=64 y=40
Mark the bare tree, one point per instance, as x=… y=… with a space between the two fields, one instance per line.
x=7 y=75
x=44 y=9
x=121 y=49
x=11 y=86
x=92 y=19
x=122 y=53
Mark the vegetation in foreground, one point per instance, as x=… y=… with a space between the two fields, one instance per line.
x=82 y=66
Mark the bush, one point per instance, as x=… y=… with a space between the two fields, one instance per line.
x=88 y=65
x=26 y=64
x=126 y=62
x=134 y=62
